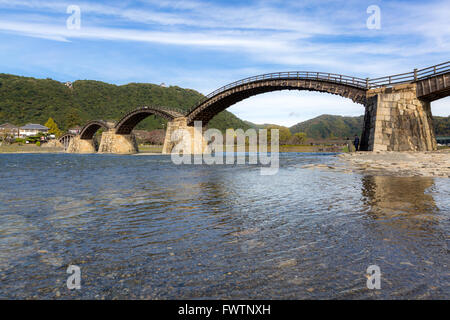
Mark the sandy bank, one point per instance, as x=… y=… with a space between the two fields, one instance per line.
x=427 y=164
x=149 y=154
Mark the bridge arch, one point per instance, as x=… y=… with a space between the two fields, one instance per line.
x=345 y=86
x=90 y=128
x=131 y=119
x=65 y=139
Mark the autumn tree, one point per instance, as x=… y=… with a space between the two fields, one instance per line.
x=53 y=127
x=284 y=133
x=299 y=138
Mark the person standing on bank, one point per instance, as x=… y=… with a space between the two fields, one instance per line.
x=356 y=143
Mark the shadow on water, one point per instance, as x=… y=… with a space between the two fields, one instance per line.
x=400 y=201
x=408 y=234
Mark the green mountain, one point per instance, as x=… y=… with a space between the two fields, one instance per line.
x=441 y=126
x=25 y=99
x=329 y=126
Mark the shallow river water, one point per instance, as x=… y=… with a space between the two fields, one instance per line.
x=141 y=227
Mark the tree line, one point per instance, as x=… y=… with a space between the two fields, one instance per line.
x=24 y=100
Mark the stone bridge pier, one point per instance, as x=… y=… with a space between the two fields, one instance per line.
x=397 y=111
x=397 y=120
x=188 y=139
x=113 y=142
x=78 y=145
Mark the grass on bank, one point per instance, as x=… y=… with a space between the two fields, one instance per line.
x=27 y=148
x=282 y=148
x=32 y=148
x=145 y=148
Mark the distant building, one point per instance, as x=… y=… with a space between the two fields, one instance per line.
x=163 y=85
x=75 y=130
x=32 y=129
x=9 y=130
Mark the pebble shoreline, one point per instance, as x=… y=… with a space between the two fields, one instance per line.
x=403 y=164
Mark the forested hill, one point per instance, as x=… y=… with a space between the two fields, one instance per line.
x=24 y=100
x=441 y=126
x=329 y=126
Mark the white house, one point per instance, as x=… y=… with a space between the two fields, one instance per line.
x=32 y=129
x=8 y=129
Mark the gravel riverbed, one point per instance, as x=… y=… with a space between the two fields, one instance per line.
x=426 y=164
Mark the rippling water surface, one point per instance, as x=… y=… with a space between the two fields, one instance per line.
x=142 y=227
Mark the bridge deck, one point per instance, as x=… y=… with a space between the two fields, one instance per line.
x=434 y=88
x=433 y=81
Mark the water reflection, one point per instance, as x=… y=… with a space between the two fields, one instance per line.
x=141 y=227
x=400 y=201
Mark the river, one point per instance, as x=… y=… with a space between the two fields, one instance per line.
x=141 y=227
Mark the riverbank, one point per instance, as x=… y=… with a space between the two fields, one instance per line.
x=31 y=148
x=157 y=149
x=152 y=149
x=402 y=164
x=282 y=148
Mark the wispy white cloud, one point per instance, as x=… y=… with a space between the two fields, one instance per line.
x=257 y=37
x=229 y=40
x=276 y=48
x=260 y=26
x=202 y=15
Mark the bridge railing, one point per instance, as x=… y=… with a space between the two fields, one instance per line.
x=409 y=77
x=292 y=75
x=433 y=71
x=367 y=83
x=181 y=111
x=159 y=108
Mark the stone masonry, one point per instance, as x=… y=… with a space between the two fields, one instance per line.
x=396 y=120
x=78 y=145
x=112 y=142
x=192 y=142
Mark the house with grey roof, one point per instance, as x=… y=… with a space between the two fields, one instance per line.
x=32 y=129
x=8 y=129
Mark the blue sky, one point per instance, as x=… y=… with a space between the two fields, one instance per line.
x=206 y=44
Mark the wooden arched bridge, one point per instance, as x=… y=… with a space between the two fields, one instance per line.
x=131 y=119
x=65 y=139
x=397 y=108
x=82 y=143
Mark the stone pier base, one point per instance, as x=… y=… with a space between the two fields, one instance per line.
x=396 y=120
x=118 y=143
x=186 y=138
x=77 y=145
